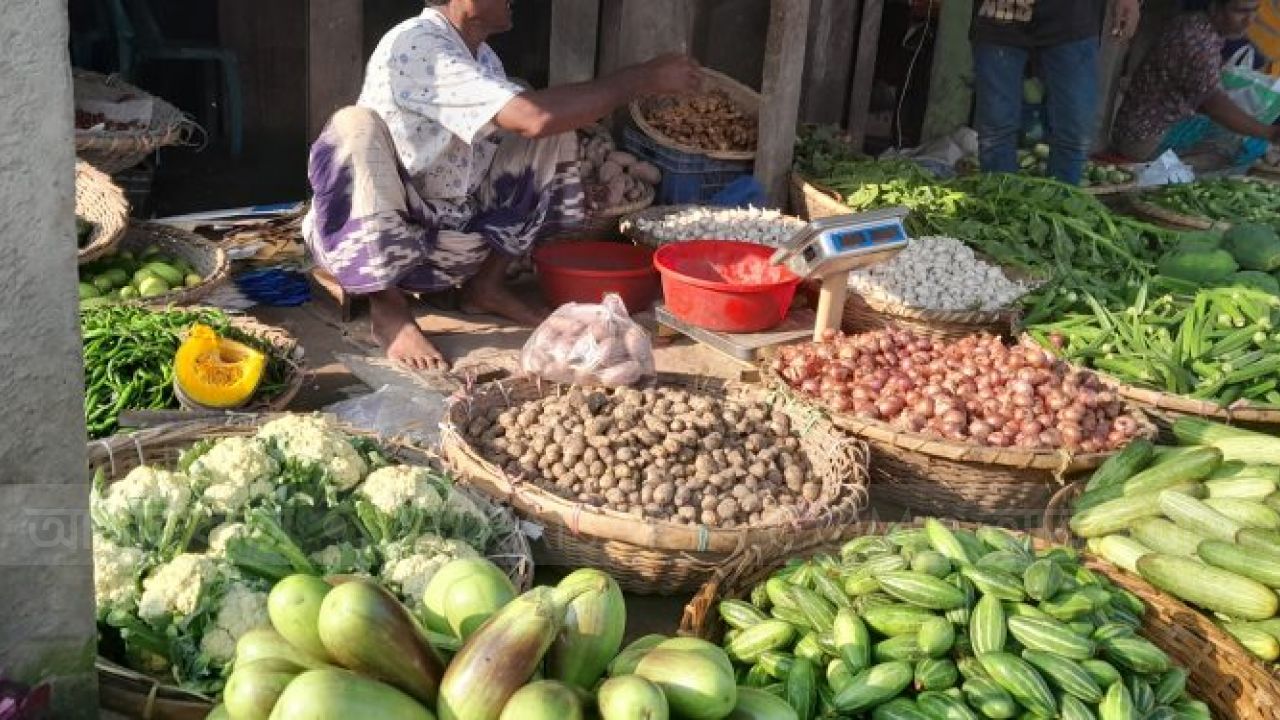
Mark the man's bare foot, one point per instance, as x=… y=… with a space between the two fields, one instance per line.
x=396 y=330
x=486 y=300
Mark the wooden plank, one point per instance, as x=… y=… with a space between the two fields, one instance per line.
x=780 y=101
x=951 y=79
x=864 y=71
x=1111 y=59
x=575 y=27
x=824 y=93
x=335 y=58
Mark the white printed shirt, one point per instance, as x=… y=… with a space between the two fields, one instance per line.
x=438 y=100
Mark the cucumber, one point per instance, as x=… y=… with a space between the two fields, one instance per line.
x=1191 y=514
x=760 y=638
x=1191 y=466
x=994 y=582
x=891 y=620
x=802 y=689
x=1070 y=708
x=1022 y=681
x=852 y=640
x=987 y=628
x=941 y=706
x=838 y=675
x=1209 y=587
x=898 y=709
x=1137 y=654
x=931 y=562
x=999 y=539
x=1117 y=704
x=1249 y=514
x=920 y=589
x=1247 y=446
x=1123 y=465
x=1122 y=551
x=1171 y=686
x=874 y=686
x=1263 y=541
x=1113 y=516
x=936 y=637
x=1241 y=488
x=989 y=698
x=776 y=664
x=1103 y=673
x=900 y=647
x=1165 y=537
x=1065 y=674
x=740 y=614
x=1257 y=641
x=936 y=674
x=1043 y=579
x=1050 y=636
x=1251 y=564
x=943 y=540
x=1014 y=563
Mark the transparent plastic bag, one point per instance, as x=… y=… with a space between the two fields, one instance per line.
x=590 y=344
x=395 y=412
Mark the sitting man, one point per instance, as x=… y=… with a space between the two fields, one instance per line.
x=446 y=171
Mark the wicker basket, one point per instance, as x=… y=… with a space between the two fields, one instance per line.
x=968 y=482
x=649 y=556
x=209 y=260
x=138 y=695
x=864 y=314
x=628 y=225
x=604 y=223
x=1167 y=407
x=746 y=100
x=285 y=346
x=1151 y=211
x=1220 y=672
x=812 y=202
x=101 y=202
x=114 y=150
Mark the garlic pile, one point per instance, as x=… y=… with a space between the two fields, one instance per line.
x=938 y=273
x=751 y=224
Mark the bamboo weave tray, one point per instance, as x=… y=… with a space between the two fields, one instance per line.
x=746 y=100
x=654 y=556
x=629 y=226
x=1220 y=672
x=139 y=695
x=209 y=260
x=114 y=150
x=286 y=347
x=1169 y=407
x=1152 y=211
x=101 y=202
x=812 y=202
x=864 y=314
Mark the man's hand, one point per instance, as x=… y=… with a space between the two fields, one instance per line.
x=1124 y=18
x=671 y=74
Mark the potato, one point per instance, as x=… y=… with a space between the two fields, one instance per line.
x=622 y=159
x=608 y=171
x=645 y=172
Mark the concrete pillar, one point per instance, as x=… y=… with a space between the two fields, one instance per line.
x=46 y=572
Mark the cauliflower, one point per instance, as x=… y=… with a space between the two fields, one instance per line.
x=394 y=487
x=242 y=609
x=223 y=534
x=151 y=509
x=115 y=574
x=142 y=486
x=410 y=565
x=313 y=439
x=175 y=587
x=235 y=471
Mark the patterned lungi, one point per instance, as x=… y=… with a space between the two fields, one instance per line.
x=370 y=229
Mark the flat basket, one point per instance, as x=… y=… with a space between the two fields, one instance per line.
x=139 y=695
x=746 y=100
x=101 y=202
x=972 y=483
x=813 y=202
x=630 y=225
x=1167 y=407
x=604 y=222
x=209 y=260
x=113 y=150
x=284 y=346
x=1220 y=672
x=1164 y=216
x=651 y=556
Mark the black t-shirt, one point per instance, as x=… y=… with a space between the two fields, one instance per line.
x=1036 y=23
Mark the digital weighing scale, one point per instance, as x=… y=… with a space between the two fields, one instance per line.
x=827 y=249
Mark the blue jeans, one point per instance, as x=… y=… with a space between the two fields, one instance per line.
x=1070 y=75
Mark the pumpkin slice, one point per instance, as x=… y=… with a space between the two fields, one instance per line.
x=214 y=372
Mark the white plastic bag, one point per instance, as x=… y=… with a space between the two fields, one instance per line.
x=589 y=344
x=1167 y=169
x=394 y=412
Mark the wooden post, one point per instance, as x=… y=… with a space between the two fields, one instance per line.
x=575 y=26
x=835 y=289
x=828 y=60
x=951 y=83
x=864 y=71
x=633 y=31
x=1111 y=57
x=780 y=96
x=335 y=58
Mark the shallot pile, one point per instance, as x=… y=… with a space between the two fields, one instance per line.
x=974 y=390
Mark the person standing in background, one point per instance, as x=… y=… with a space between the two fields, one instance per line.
x=1064 y=35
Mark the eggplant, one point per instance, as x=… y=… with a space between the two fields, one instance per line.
x=262 y=643
x=336 y=694
x=294 y=608
x=697 y=685
x=253 y=688
x=626 y=661
x=631 y=697
x=543 y=700
x=592 y=632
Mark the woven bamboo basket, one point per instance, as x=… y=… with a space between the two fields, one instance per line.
x=139 y=695
x=1151 y=211
x=1220 y=672
x=101 y=202
x=813 y=202
x=864 y=314
x=652 y=556
x=604 y=222
x=285 y=346
x=744 y=98
x=968 y=482
x=630 y=225
x=209 y=260
x=113 y=150
x=1167 y=407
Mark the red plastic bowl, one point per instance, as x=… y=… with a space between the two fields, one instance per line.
x=724 y=285
x=584 y=271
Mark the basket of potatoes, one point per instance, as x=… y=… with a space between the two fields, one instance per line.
x=657 y=485
x=614 y=183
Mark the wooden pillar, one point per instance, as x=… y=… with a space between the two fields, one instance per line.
x=828 y=60
x=335 y=58
x=1111 y=59
x=633 y=31
x=575 y=28
x=780 y=101
x=951 y=83
x=864 y=71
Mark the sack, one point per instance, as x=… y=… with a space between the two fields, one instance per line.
x=589 y=344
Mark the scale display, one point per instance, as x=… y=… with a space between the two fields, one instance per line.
x=845 y=242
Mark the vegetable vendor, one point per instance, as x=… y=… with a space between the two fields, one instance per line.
x=1180 y=78
x=1063 y=34
x=446 y=170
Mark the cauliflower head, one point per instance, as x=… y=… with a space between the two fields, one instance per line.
x=343 y=559
x=314 y=439
x=223 y=534
x=142 y=486
x=397 y=486
x=175 y=587
x=242 y=609
x=115 y=574
x=410 y=564
x=234 y=472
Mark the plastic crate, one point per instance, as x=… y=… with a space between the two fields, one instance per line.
x=686 y=178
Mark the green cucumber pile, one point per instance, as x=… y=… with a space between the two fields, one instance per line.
x=1200 y=521
x=932 y=623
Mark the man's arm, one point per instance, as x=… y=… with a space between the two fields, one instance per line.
x=1222 y=110
x=541 y=113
